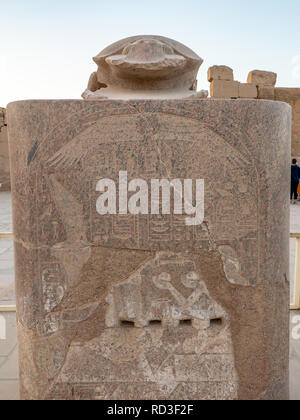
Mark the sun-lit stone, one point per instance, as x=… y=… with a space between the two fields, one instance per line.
x=266 y=92
x=123 y=306
x=223 y=89
x=220 y=73
x=259 y=77
x=145 y=67
x=247 y=90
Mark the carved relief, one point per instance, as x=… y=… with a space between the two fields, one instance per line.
x=72 y=255
x=232 y=267
x=61 y=320
x=53 y=287
x=151 y=295
x=165 y=307
x=162 y=140
x=231 y=213
x=164 y=332
x=172 y=337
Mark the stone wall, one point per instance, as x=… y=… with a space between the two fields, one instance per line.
x=4 y=156
x=260 y=85
x=292 y=97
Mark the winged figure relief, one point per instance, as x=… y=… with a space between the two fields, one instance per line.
x=75 y=150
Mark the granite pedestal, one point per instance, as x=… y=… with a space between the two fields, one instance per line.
x=144 y=306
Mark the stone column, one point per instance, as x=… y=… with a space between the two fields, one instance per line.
x=136 y=304
x=141 y=306
x=292 y=97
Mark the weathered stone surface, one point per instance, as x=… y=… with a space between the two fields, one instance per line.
x=247 y=91
x=224 y=89
x=4 y=155
x=144 y=67
x=220 y=73
x=144 y=306
x=266 y=92
x=265 y=82
x=259 y=77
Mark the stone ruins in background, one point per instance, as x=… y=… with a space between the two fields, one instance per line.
x=260 y=85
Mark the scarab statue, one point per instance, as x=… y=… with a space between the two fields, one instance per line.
x=145 y=67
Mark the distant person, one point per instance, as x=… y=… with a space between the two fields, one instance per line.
x=295 y=177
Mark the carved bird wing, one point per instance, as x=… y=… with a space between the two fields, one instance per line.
x=70 y=154
x=76 y=150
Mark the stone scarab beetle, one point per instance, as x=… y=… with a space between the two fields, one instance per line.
x=140 y=65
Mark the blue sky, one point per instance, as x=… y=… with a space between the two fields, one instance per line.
x=46 y=47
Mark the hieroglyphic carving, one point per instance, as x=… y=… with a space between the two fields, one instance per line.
x=70 y=256
x=232 y=193
x=53 y=285
x=224 y=142
x=163 y=331
x=158 y=152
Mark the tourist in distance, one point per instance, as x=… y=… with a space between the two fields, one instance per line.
x=295 y=177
